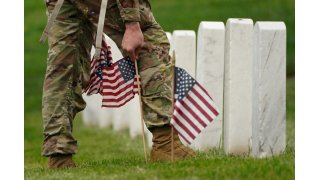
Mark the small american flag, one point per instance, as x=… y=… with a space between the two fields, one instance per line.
x=116 y=82
x=119 y=83
x=97 y=65
x=194 y=109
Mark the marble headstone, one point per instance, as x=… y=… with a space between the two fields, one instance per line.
x=238 y=85
x=184 y=45
x=91 y=114
x=134 y=117
x=269 y=122
x=209 y=73
x=169 y=36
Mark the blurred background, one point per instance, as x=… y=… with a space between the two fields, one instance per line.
x=127 y=158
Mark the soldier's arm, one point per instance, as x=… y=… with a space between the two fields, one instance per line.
x=130 y=10
x=133 y=38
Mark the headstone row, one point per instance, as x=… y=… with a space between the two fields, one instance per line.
x=243 y=68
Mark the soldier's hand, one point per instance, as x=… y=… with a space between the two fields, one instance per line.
x=132 y=40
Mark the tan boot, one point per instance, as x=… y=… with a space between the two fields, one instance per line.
x=61 y=161
x=161 y=148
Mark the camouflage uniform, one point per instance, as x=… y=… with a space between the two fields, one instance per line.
x=70 y=40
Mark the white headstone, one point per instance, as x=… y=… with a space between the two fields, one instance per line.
x=149 y=138
x=238 y=85
x=169 y=36
x=90 y=115
x=106 y=116
x=120 y=122
x=269 y=123
x=210 y=72
x=184 y=44
x=134 y=117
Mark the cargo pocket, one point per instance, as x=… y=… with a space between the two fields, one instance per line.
x=153 y=81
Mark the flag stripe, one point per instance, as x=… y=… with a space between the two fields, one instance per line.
x=96 y=83
x=199 y=91
x=195 y=116
x=182 y=133
x=203 y=90
x=120 y=94
x=110 y=72
x=203 y=103
x=185 y=129
x=112 y=77
x=200 y=109
x=119 y=103
x=194 y=108
x=93 y=91
x=109 y=88
x=117 y=91
x=179 y=113
x=114 y=81
x=199 y=124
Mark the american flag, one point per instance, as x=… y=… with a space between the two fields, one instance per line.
x=119 y=83
x=97 y=65
x=194 y=109
x=116 y=82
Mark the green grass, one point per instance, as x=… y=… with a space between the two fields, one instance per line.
x=104 y=154
x=107 y=154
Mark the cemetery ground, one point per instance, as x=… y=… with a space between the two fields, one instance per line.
x=104 y=154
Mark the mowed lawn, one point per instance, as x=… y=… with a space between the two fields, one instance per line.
x=104 y=154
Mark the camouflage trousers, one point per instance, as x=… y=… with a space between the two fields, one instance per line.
x=68 y=67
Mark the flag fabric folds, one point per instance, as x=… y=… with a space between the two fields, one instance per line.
x=119 y=83
x=194 y=109
x=97 y=65
x=116 y=82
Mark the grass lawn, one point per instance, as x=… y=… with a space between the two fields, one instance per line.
x=104 y=154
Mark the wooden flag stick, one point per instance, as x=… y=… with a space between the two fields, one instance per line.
x=172 y=92
x=172 y=153
x=142 y=121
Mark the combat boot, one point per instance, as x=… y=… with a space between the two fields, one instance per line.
x=161 y=148
x=61 y=161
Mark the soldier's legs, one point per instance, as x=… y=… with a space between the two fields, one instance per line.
x=67 y=72
x=155 y=68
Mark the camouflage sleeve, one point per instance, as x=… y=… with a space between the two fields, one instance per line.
x=129 y=10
